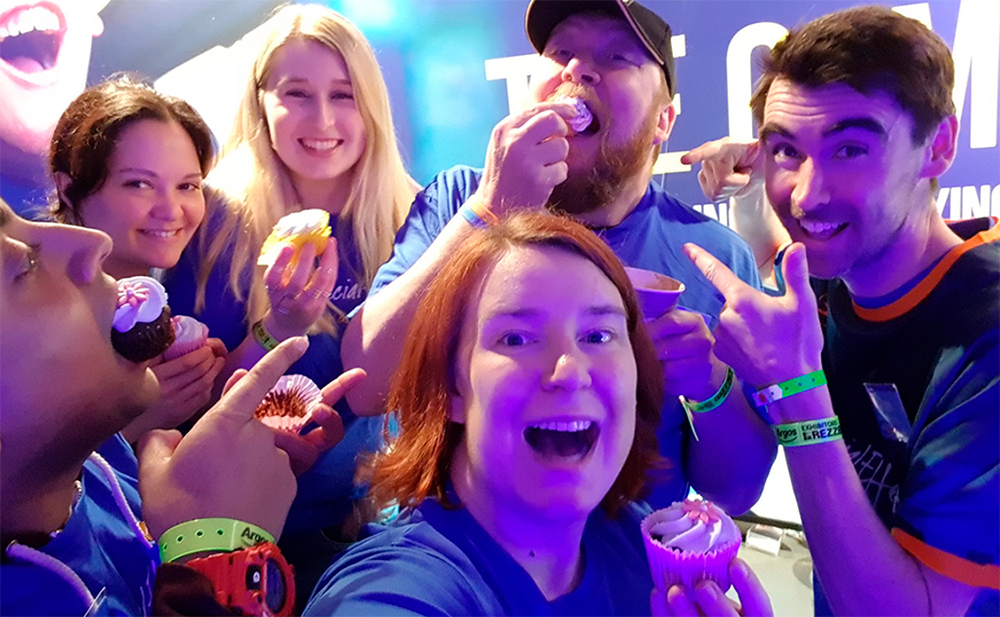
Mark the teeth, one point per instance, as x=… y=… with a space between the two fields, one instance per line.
x=565 y=427
x=36 y=18
x=818 y=227
x=160 y=234
x=320 y=144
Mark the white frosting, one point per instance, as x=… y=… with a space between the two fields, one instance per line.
x=188 y=329
x=301 y=222
x=583 y=117
x=681 y=527
x=140 y=300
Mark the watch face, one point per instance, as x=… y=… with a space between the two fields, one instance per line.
x=276 y=594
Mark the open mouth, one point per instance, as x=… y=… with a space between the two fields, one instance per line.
x=31 y=36
x=820 y=230
x=321 y=146
x=562 y=440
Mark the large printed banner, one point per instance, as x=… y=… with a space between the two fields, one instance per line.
x=454 y=68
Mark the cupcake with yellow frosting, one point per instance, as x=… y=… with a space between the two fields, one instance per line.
x=298 y=229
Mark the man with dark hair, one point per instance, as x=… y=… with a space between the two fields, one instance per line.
x=888 y=404
x=600 y=107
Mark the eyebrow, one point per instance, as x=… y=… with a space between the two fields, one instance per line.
x=528 y=313
x=863 y=123
x=342 y=81
x=152 y=174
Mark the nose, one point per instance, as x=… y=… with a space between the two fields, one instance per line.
x=571 y=371
x=168 y=205
x=581 y=71
x=83 y=250
x=327 y=113
x=810 y=188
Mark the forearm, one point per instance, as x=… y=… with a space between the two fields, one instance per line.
x=715 y=470
x=755 y=221
x=863 y=570
x=374 y=338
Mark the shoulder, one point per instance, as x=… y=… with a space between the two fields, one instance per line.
x=27 y=589
x=405 y=567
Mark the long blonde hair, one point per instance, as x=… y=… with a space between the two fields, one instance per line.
x=252 y=188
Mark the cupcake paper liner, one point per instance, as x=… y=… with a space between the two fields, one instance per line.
x=298 y=387
x=670 y=566
x=184 y=341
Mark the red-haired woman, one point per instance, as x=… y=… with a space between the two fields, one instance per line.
x=528 y=398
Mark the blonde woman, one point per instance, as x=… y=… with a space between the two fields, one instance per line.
x=314 y=130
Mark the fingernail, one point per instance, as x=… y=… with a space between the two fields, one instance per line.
x=706 y=589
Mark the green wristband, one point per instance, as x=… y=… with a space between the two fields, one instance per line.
x=264 y=337
x=788 y=388
x=809 y=432
x=717 y=399
x=209 y=535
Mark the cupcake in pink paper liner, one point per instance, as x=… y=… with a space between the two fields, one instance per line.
x=690 y=541
x=189 y=335
x=289 y=404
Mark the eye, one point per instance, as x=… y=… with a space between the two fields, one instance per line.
x=514 y=339
x=784 y=151
x=298 y=94
x=190 y=186
x=137 y=184
x=850 y=151
x=29 y=261
x=599 y=336
x=342 y=96
x=559 y=54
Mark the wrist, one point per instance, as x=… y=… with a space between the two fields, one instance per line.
x=277 y=330
x=209 y=535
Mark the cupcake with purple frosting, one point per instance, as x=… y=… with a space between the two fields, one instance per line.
x=690 y=541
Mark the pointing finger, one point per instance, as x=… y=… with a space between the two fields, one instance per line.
x=243 y=398
x=336 y=389
x=715 y=271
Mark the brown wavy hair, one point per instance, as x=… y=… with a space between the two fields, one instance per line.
x=871 y=49
x=417 y=464
x=87 y=133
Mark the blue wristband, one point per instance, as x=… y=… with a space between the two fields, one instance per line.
x=470 y=215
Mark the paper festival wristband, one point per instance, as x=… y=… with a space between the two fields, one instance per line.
x=263 y=337
x=204 y=535
x=788 y=388
x=717 y=399
x=809 y=432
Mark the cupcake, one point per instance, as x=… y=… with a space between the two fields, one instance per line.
x=189 y=335
x=690 y=541
x=288 y=405
x=141 y=329
x=297 y=229
x=583 y=118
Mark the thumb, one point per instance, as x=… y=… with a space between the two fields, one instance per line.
x=155 y=448
x=795 y=269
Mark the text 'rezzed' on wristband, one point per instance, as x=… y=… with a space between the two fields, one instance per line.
x=809 y=432
x=204 y=535
x=263 y=337
x=788 y=388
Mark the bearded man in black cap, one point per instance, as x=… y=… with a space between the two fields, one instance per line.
x=598 y=112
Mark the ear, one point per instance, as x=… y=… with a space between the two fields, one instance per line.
x=941 y=147
x=63 y=182
x=457 y=411
x=665 y=123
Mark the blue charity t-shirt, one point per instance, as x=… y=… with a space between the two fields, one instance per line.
x=98 y=543
x=437 y=561
x=650 y=237
x=327 y=492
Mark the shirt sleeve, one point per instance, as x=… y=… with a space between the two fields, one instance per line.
x=950 y=502
x=432 y=208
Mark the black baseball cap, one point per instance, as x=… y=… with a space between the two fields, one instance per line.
x=544 y=15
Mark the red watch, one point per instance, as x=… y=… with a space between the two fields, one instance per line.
x=256 y=580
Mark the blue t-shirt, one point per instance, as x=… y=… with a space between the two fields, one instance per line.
x=437 y=561
x=650 y=237
x=327 y=492
x=99 y=544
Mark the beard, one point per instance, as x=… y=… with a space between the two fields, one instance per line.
x=592 y=189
